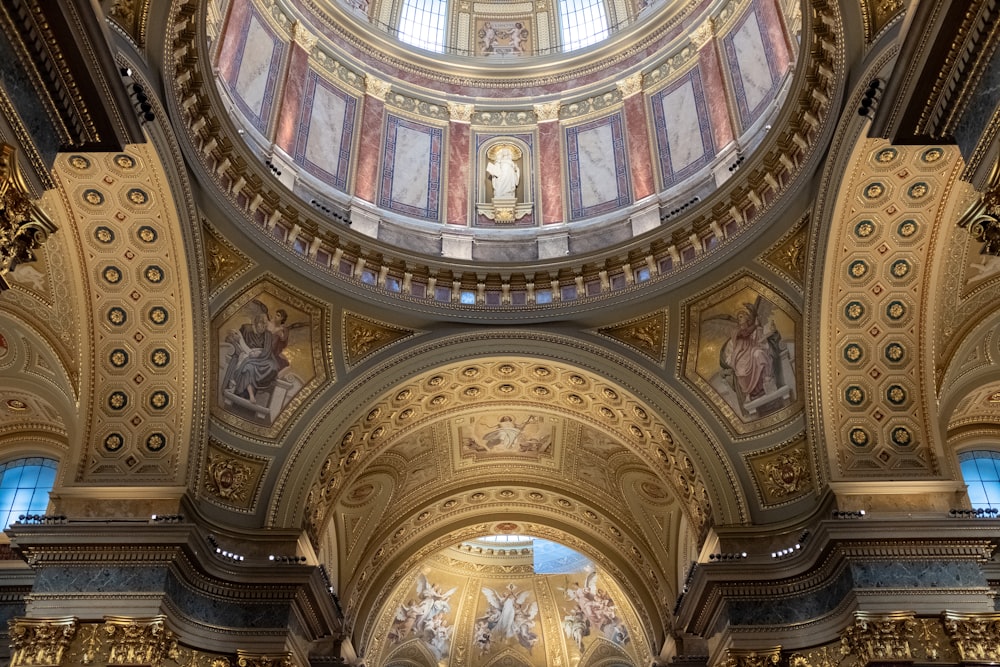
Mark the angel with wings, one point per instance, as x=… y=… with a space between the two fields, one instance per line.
x=425 y=616
x=508 y=616
x=258 y=351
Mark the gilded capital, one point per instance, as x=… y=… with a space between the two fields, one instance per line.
x=460 y=112
x=879 y=637
x=376 y=87
x=302 y=36
x=703 y=34
x=761 y=658
x=39 y=642
x=630 y=85
x=976 y=636
x=547 y=111
x=246 y=659
x=24 y=227
x=139 y=641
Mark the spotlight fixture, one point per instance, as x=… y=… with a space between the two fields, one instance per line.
x=870 y=99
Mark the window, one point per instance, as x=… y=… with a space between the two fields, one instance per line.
x=421 y=23
x=24 y=487
x=584 y=22
x=981 y=471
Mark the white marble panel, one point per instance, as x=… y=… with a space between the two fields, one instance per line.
x=326 y=130
x=751 y=56
x=255 y=66
x=680 y=112
x=598 y=182
x=411 y=167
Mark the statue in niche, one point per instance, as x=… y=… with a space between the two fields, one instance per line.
x=504 y=172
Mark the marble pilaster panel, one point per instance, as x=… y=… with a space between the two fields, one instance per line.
x=232 y=38
x=459 y=182
x=638 y=146
x=550 y=171
x=366 y=180
x=714 y=87
x=290 y=106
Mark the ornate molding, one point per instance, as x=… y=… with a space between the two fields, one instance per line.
x=879 y=637
x=302 y=36
x=460 y=112
x=760 y=658
x=246 y=659
x=40 y=642
x=630 y=85
x=24 y=227
x=976 y=636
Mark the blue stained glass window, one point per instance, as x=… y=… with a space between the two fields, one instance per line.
x=421 y=23
x=981 y=471
x=24 y=487
x=583 y=22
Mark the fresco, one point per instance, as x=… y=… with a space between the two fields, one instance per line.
x=592 y=614
x=426 y=618
x=743 y=352
x=510 y=616
x=265 y=358
x=506 y=433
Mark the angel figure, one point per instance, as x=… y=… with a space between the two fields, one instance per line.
x=425 y=617
x=750 y=358
x=258 y=351
x=508 y=616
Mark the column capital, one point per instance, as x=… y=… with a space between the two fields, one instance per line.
x=630 y=85
x=547 y=111
x=376 y=87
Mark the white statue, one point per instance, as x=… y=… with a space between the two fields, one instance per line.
x=505 y=174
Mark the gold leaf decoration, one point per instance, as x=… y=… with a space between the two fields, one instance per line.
x=645 y=335
x=364 y=337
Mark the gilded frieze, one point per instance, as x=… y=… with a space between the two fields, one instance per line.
x=40 y=642
x=363 y=337
x=231 y=478
x=781 y=474
x=646 y=335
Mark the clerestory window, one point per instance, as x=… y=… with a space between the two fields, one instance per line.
x=421 y=23
x=981 y=472
x=25 y=485
x=583 y=22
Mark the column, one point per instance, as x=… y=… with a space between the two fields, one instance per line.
x=366 y=181
x=459 y=183
x=230 y=39
x=290 y=109
x=636 y=129
x=714 y=85
x=550 y=162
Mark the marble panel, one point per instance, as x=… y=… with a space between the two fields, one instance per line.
x=682 y=126
x=753 y=66
x=598 y=168
x=256 y=614
x=99 y=579
x=792 y=609
x=918 y=574
x=326 y=131
x=411 y=168
x=256 y=70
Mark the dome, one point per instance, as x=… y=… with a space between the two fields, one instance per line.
x=469 y=149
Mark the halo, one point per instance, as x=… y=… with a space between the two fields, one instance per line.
x=515 y=152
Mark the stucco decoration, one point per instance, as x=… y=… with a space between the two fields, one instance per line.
x=646 y=334
x=269 y=348
x=781 y=474
x=231 y=478
x=364 y=337
x=741 y=354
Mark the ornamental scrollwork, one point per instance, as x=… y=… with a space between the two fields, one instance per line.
x=139 y=641
x=976 y=636
x=245 y=659
x=982 y=218
x=40 y=642
x=24 y=227
x=879 y=637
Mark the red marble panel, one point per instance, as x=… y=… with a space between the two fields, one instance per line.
x=459 y=182
x=232 y=37
x=715 y=94
x=550 y=167
x=370 y=147
x=290 y=103
x=638 y=146
x=774 y=30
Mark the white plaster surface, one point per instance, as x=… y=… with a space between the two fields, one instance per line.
x=683 y=130
x=251 y=81
x=412 y=167
x=598 y=182
x=748 y=42
x=326 y=130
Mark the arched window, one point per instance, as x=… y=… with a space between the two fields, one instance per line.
x=584 y=22
x=421 y=23
x=981 y=471
x=24 y=487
